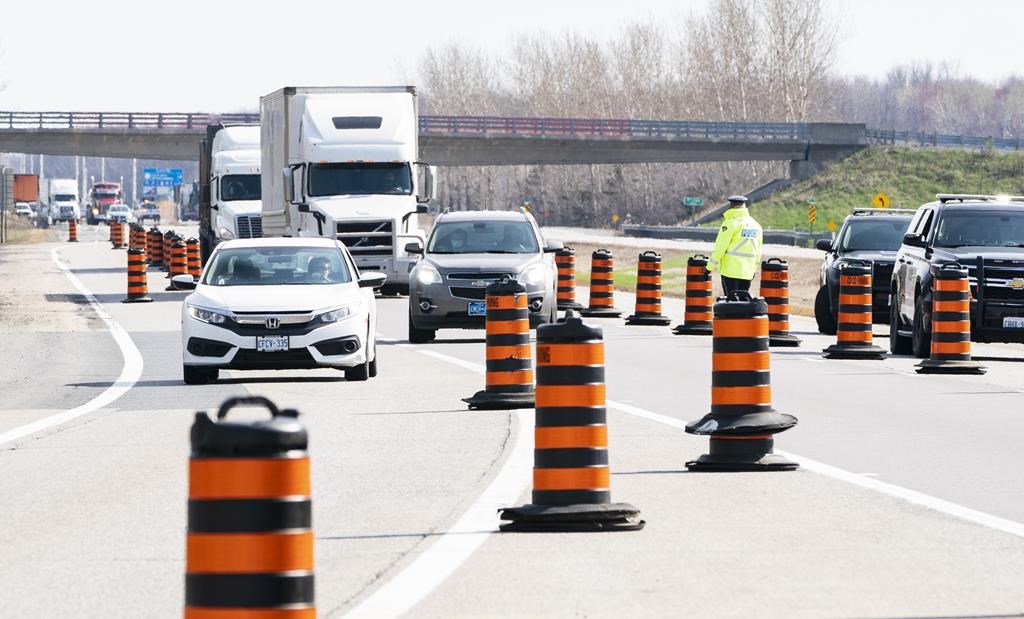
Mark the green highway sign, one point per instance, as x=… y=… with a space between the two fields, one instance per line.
x=693 y=201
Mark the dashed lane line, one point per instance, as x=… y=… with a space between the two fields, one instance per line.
x=130 y=372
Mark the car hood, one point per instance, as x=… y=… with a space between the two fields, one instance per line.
x=294 y=298
x=969 y=254
x=873 y=255
x=472 y=263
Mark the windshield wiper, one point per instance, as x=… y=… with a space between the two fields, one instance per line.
x=502 y=251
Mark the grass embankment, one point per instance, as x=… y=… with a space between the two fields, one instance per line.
x=909 y=176
x=21 y=230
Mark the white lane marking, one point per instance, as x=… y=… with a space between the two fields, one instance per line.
x=444 y=556
x=130 y=372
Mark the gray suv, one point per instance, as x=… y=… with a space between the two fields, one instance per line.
x=467 y=251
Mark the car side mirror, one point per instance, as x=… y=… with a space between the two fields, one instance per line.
x=372 y=280
x=913 y=240
x=183 y=282
x=414 y=248
x=553 y=246
x=823 y=244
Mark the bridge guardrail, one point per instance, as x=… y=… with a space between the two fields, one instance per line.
x=703 y=130
x=112 y=120
x=940 y=140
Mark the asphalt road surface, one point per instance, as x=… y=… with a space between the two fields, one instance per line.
x=909 y=501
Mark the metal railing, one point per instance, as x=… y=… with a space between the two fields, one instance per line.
x=882 y=137
x=118 y=120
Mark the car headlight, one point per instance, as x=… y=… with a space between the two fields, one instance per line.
x=427 y=275
x=225 y=234
x=335 y=315
x=533 y=275
x=205 y=315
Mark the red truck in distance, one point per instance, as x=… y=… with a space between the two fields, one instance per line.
x=101 y=196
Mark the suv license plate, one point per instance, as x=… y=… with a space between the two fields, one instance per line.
x=1013 y=323
x=271 y=343
x=478 y=309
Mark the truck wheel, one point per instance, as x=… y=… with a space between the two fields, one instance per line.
x=898 y=344
x=420 y=336
x=823 y=313
x=921 y=341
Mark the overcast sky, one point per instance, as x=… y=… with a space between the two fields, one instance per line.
x=220 y=55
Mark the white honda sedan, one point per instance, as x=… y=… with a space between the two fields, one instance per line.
x=281 y=303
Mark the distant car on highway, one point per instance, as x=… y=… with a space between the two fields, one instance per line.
x=24 y=209
x=281 y=303
x=872 y=235
x=148 y=211
x=467 y=251
x=120 y=213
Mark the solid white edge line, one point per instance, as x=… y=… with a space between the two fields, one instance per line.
x=431 y=568
x=130 y=372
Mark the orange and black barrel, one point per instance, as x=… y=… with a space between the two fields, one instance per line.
x=775 y=292
x=249 y=549
x=565 y=261
x=72 y=231
x=165 y=244
x=951 y=324
x=853 y=329
x=195 y=268
x=132 y=236
x=698 y=297
x=139 y=236
x=648 y=292
x=138 y=289
x=155 y=247
x=742 y=422
x=116 y=235
x=571 y=476
x=179 y=260
x=602 y=286
x=509 y=382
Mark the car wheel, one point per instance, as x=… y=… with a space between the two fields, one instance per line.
x=921 y=341
x=420 y=336
x=359 y=373
x=194 y=375
x=898 y=344
x=823 y=313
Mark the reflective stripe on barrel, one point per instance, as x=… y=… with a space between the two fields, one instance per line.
x=165 y=245
x=192 y=255
x=565 y=261
x=951 y=315
x=648 y=284
x=571 y=433
x=740 y=377
x=854 y=325
x=508 y=328
x=72 y=231
x=602 y=273
x=775 y=291
x=137 y=286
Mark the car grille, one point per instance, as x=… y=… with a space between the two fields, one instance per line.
x=367 y=238
x=250 y=359
x=999 y=279
x=249 y=227
x=484 y=276
x=473 y=294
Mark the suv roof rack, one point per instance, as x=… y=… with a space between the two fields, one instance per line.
x=881 y=211
x=975 y=197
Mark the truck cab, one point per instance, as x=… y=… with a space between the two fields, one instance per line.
x=63 y=199
x=102 y=195
x=230 y=191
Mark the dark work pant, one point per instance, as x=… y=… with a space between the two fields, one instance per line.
x=732 y=283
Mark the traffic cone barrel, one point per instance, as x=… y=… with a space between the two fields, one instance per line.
x=179 y=261
x=509 y=382
x=72 y=231
x=565 y=261
x=648 y=292
x=697 y=316
x=742 y=421
x=155 y=250
x=602 y=286
x=166 y=241
x=116 y=235
x=951 y=324
x=138 y=289
x=138 y=237
x=775 y=291
x=571 y=478
x=192 y=256
x=249 y=549
x=132 y=237
x=853 y=334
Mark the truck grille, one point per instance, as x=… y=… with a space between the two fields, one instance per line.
x=367 y=238
x=249 y=227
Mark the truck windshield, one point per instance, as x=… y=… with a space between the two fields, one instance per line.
x=65 y=197
x=483 y=237
x=240 y=187
x=984 y=228
x=873 y=235
x=359 y=179
x=276 y=266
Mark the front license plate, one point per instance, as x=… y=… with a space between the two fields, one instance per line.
x=1013 y=323
x=271 y=343
x=478 y=309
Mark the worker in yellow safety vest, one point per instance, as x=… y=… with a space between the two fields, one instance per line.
x=737 y=251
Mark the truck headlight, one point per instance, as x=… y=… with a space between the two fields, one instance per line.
x=427 y=275
x=534 y=275
x=205 y=315
x=225 y=234
x=335 y=315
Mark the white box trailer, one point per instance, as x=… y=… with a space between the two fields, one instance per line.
x=341 y=162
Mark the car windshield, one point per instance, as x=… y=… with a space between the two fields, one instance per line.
x=483 y=237
x=873 y=234
x=359 y=179
x=984 y=228
x=240 y=187
x=276 y=266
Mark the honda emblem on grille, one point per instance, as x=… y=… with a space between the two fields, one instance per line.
x=273 y=323
x=1017 y=283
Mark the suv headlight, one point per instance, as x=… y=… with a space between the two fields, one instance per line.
x=534 y=275
x=335 y=315
x=205 y=315
x=427 y=274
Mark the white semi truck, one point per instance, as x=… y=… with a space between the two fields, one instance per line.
x=63 y=196
x=341 y=162
x=229 y=186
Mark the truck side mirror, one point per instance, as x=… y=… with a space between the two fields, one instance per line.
x=287 y=181
x=823 y=244
x=422 y=209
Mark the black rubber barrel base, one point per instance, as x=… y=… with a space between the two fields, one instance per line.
x=685 y=329
x=722 y=464
x=562 y=307
x=767 y=422
x=137 y=300
x=786 y=341
x=484 y=400
x=600 y=312
x=938 y=366
x=72 y=240
x=649 y=319
x=846 y=351
x=571 y=518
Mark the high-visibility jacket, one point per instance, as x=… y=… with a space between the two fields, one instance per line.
x=737 y=251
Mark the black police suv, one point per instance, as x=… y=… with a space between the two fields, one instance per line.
x=984 y=234
x=871 y=235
